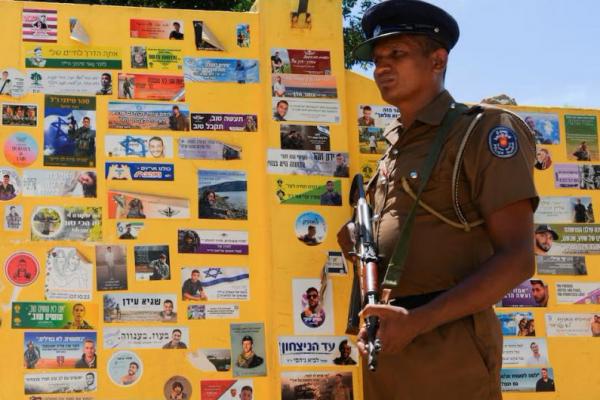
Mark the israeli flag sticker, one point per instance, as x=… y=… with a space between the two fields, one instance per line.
x=503 y=142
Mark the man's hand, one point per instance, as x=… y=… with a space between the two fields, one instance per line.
x=397 y=328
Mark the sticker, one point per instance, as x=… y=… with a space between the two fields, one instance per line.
x=152 y=263
x=205 y=39
x=575 y=324
x=63 y=382
x=19 y=115
x=210 y=360
x=58 y=350
x=129 y=230
x=21 y=268
x=310 y=228
x=222 y=194
x=310 y=384
x=304 y=137
x=13 y=218
x=215 y=283
x=111 y=267
x=196 y=148
x=144 y=146
x=220 y=70
x=155 y=116
x=317 y=350
x=39 y=25
x=248 y=349
x=313 y=307
x=20 y=149
x=517 y=323
x=242 y=33
x=63 y=183
x=531 y=293
x=304 y=162
x=336 y=263
x=156 y=29
x=140 y=307
x=224 y=122
x=212 y=241
x=212 y=389
x=554 y=209
x=145 y=337
x=66 y=223
x=527 y=380
x=543 y=158
x=310 y=190
x=162 y=59
x=300 y=61
x=142 y=205
x=151 y=87
x=128 y=171
x=10 y=183
x=79 y=82
x=503 y=142
x=582 y=137
x=125 y=368
x=525 y=352
x=309 y=110
x=561 y=265
x=78 y=32
x=69 y=275
x=177 y=387
x=213 y=311
x=545 y=126
x=12 y=82
x=53 y=315
x=69 y=57
x=304 y=86
x=578 y=292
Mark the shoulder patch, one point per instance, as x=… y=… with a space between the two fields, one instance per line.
x=503 y=142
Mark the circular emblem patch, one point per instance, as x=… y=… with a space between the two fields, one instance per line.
x=21 y=268
x=503 y=142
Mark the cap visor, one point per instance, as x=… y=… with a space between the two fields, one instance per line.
x=364 y=51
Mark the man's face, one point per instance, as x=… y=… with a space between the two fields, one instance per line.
x=246 y=395
x=530 y=123
x=176 y=337
x=89 y=380
x=176 y=26
x=313 y=298
x=37 y=53
x=177 y=390
x=540 y=155
x=78 y=312
x=86 y=122
x=346 y=351
x=330 y=186
x=339 y=160
x=89 y=349
x=538 y=292
x=312 y=231
x=105 y=80
x=535 y=348
x=543 y=240
x=85 y=179
x=233 y=392
x=195 y=276
x=544 y=374
x=5 y=75
x=156 y=148
x=402 y=71
x=5 y=179
x=132 y=369
x=367 y=114
x=282 y=109
x=247 y=346
x=176 y=111
x=168 y=308
x=212 y=199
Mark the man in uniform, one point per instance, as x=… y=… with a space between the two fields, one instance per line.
x=440 y=337
x=84 y=139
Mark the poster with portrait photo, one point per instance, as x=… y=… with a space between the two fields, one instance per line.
x=151 y=87
x=224 y=122
x=146 y=337
x=10 y=183
x=313 y=307
x=227 y=389
x=578 y=292
x=69 y=275
x=545 y=126
x=177 y=387
x=39 y=25
x=303 y=162
x=204 y=38
x=525 y=352
x=129 y=230
x=140 y=307
x=215 y=283
x=304 y=86
x=197 y=148
x=150 y=116
x=220 y=70
x=58 y=350
x=567 y=239
x=19 y=114
x=138 y=57
x=248 y=349
x=561 y=265
x=531 y=293
x=222 y=194
x=573 y=324
x=304 y=137
x=60 y=183
x=299 y=385
x=210 y=360
x=125 y=368
x=13 y=218
x=567 y=209
x=300 y=61
x=13 y=82
x=69 y=131
x=516 y=323
x=63 y=382
x=317 y=351
x=66 y=223
x=581 y=132
x=143 y=205
x=152 y=263
x=111 y=267
x=53 y=315
x=310 y=228
x=242 y=34
x=543 y=158
x=569 y=176
x=527 y=380
x=310 y=190
x=371 y=122
x=213 y=311
x=304 y=110
x=156 y=29
x=143 y=146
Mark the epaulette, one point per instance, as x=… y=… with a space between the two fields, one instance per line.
x=476 y=109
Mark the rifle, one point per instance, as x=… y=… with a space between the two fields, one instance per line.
x=365 y=286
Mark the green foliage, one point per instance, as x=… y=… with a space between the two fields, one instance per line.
x=352 y=11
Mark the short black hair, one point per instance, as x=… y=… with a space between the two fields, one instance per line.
x=311 y=289
x=249 y=388
x=248 y=338
x=177 y=384
x=284 y=102
x=176 y=330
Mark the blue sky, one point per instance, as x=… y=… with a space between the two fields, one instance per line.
x=541 y=52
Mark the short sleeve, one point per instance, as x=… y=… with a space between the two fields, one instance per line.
x=498 y=162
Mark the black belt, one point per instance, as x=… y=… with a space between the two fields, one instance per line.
x=414 y=301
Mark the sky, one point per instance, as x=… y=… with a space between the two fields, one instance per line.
x=541 y=52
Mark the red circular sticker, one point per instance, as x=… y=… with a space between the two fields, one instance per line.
x=22 y=269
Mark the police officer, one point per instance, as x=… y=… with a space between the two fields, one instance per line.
x=471 y=238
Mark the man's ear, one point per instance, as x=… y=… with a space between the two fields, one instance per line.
x=439 y=60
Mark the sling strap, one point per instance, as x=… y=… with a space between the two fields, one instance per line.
x=397 y=262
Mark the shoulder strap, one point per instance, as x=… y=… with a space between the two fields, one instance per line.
x=397 y=261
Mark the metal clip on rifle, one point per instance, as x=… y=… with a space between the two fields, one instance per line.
x=365 y=288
